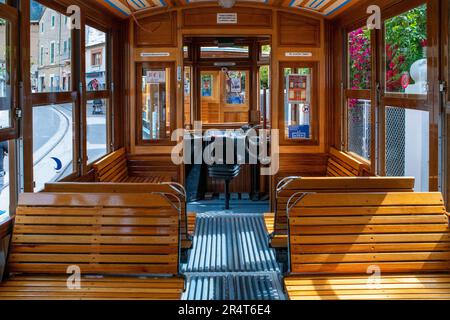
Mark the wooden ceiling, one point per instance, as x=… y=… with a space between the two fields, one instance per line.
x=327 y=8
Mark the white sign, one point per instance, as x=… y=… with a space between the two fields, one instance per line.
x=226 y=18
x=298 y=54
x=156 y=77
x=154 y=54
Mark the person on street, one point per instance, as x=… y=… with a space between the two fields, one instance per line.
x=3 y=153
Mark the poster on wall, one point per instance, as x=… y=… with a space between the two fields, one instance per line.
x=298 y=88
x=155 y=77
x=236 y=86
x=207 y=85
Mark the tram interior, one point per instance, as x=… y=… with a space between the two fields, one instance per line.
x=231 y=150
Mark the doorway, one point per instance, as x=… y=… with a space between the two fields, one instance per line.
x=226 y=88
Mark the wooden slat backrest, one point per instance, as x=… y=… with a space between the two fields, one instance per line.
x=341 y=164
x=112 y=168
x=348 y=233
x=293 y=185
x=101 y=233
x=170 y=189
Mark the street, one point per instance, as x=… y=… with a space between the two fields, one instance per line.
x=53 y=140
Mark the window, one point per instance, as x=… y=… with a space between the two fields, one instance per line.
x=96 y=58
x=406 y=52
x=358 y=109
x=49 y=50
x=155 y=95
x=97 y=132
x=298 y=101
x=359 y=59
x=187 y=97
x=96 y=69
x=407 y=145
x=4 y=178
x=359 y=127
x=224 y=96
x=52 y=53
x=52 y=143
x=213 y=52
x=5 y=76
x=41 y=56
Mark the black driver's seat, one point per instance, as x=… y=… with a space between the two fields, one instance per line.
x=227 y=172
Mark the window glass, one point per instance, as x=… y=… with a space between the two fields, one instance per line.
x=264 y=93
x=224 y=96
x=155 y=103
x=265 y=51
x=5 y=72
x=4 y=178
x=297 y=103
x=406 y=52
x=51 y=63
x=407 y=145
x=97 y=132
x=187 y=96
x=359 y=127
x=52 y=143
x=212 y=52
x=360 y=59
x=236 y=87
x=95 y=59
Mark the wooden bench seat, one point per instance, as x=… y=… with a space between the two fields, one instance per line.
x=104 y=288
x=276 y=223
x=340 y=242
x=114 y=168
x=175 y=190
x=341 y=164
x=111 y=238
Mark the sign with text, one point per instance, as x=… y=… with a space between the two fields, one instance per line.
x=298 y=88
x=298 y=54
x=156 y=77
x=227 y=18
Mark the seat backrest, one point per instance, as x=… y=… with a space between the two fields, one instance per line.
x=361 y=233
x=112 y=168
x=100 y=233
x=173 y=190
x=340 y=164
x=290 y=186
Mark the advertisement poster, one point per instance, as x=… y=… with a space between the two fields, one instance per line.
x=207 y=85
x=236 y=86
x=155 y=77
x=298 y=88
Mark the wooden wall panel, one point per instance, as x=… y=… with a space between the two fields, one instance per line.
x=156 y=31
x=207 y=17
x=143 y=165
x=306 y=165
x=298 y=30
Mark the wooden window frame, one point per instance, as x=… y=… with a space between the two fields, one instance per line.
x=361 y=94
x=12 y=15
x=315 y=101
x=172 y=94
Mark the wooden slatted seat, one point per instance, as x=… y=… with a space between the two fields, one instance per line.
x=338 y=241
x=114 y=168
x=187 y=222
x=276 y=223
x=341 y=164
x=112 y=238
